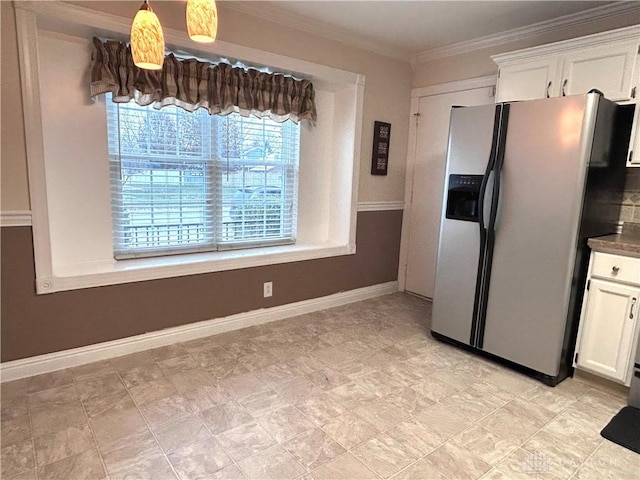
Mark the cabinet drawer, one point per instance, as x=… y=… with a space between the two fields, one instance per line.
x=616 y=267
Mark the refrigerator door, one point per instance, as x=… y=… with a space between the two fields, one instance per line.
x=548 y=147
x=470 y=139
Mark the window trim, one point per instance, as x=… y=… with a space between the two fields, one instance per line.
x=65 y=19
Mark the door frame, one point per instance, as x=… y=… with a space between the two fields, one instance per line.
x=416 y=95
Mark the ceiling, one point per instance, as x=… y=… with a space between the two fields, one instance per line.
x=405 y=29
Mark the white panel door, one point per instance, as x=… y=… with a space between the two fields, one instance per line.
x=432 y=132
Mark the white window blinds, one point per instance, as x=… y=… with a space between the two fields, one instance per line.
x=184 y=182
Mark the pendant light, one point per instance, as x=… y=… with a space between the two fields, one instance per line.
x=147 y=39
x=202 y=20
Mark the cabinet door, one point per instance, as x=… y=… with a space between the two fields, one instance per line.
x=609 y=69
x=607 y=329
x=529 y=80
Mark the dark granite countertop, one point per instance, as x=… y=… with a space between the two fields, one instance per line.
x=625 y=243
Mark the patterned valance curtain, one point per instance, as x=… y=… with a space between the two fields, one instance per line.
x=192 y=84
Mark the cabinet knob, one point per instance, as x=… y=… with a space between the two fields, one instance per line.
x=564 y=86
x=615 y=270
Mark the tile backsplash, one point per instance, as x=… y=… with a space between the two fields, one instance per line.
x=630 y=210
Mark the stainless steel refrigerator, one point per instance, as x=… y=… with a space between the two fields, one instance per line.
x=526 y=184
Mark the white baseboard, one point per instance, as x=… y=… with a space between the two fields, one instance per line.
x=92 y=353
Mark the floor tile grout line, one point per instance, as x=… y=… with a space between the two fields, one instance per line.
x=588 y=457
x=165 y=456
x=439 y=402
x=32 y=432
x=93 y=434
x=215 y=436
x=557 y=415
x=197 y=413
x=38 y=467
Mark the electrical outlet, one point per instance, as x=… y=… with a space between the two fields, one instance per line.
x=267 y=289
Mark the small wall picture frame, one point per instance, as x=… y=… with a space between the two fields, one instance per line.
x=380 y=154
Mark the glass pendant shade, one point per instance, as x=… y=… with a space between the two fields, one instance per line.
x=147 y=39
x=202 y=20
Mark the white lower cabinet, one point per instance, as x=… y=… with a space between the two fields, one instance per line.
x=608 y=330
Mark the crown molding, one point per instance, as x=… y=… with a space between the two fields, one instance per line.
x=316 y=27
x=631 y=34
x=566 y=21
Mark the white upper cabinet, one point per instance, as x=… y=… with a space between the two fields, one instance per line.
x=528 y=80
x=609 y=68
x=605 y=61
x=608 y=61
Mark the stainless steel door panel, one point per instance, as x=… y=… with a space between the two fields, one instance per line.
x=452 y=312
x=541 y=195
x=470 y=135
x=470 y=138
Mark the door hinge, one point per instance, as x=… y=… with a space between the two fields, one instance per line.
x=633 y=92
x=575 y=358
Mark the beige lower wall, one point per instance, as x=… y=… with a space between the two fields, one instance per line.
x=38 y=324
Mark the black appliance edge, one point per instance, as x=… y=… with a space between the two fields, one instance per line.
x=546 y=379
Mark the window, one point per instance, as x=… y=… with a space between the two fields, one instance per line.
x=187 y=181
x=70 y=177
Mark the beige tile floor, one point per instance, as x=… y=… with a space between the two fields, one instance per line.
x=355 y=392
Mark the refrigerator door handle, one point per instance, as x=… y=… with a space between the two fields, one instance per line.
x=487 y=200
x=499 y=164
x=489 y=170
x=478 y=304
x=500 y=137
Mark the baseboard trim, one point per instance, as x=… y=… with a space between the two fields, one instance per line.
x=50 y=362
x=380 y=206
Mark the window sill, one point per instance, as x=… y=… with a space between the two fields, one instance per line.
x=100 y=274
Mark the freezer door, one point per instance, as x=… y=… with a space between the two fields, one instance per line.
x=453 y=301
x=470 y=137
x=541 y=196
